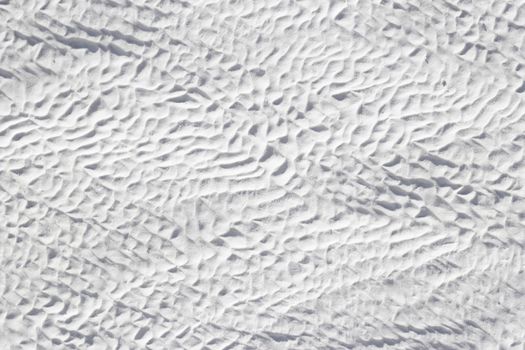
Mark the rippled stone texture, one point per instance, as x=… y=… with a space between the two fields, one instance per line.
x=286 y=174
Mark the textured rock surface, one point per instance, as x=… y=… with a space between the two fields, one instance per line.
x=262 y=174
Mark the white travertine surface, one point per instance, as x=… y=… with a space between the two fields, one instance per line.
x=288 y=174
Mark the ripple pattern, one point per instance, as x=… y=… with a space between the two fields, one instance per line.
x=274 y=174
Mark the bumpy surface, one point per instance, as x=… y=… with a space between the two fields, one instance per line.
x=286 y=174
